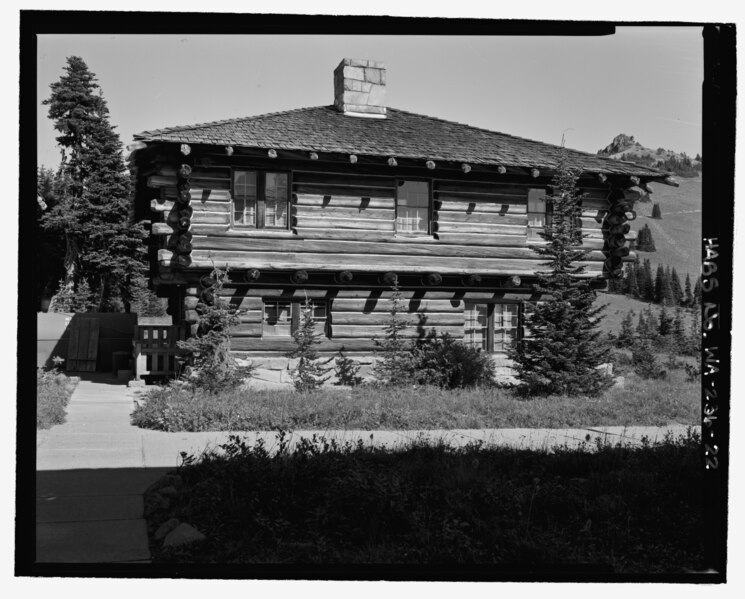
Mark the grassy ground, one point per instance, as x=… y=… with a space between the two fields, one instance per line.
x=628 y=510
x=653 y=403
x=53 y=392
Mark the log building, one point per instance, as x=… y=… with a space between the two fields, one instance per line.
x=338 y=202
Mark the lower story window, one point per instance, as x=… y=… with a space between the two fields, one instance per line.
x=282 y=317
x=491 y=327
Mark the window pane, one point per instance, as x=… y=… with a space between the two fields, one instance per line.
x=477 y=323
x=244 y=197
x=412 y=207
x=277 y=319
x=505 y=325
x=275 y=190
x=536 y=213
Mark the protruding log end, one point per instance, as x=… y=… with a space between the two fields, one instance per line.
x=184 y=196
x=466 y=168
x=208 y=296
x=433 y=279
x=671 y=181
x=353 y=159
x=344 y=277
x=630 y=215
x=602 y=178
x=313 y=155
x=207 y=281
x=183 y=261
x=185 y=149
x=229 y=150
x=634 y=181
x=300 y=276
x=471 y=280
x=184 y=223
x=535 y=173
x=272 y=153
x=136 y=145
x=392 y=161
x=252 y=274
x=430 y=164
x=621 y=252
x=501 y=170
x=389 y=278
x=513 y=281
x=184 y=171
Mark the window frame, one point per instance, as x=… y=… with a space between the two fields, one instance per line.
x=260 y=218
x=430 y=204
x=295 y=308
x=532 y=233
x=490 y=322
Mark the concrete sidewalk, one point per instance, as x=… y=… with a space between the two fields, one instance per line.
x=93 y=470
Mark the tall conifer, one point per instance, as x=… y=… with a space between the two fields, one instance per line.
x=92 y=213
x=565 y=345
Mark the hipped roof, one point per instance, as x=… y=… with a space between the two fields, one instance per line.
x=401 y=134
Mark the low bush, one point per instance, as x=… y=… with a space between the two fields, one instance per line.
x=628 y=510
x=445 y=362
x=53 y=392
x=370 y=407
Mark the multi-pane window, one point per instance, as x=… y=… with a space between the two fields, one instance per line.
x=260 y=199
x=536 y=213
x=412 y=207
x=491 y=327
x=277 y=318
x=282 y=317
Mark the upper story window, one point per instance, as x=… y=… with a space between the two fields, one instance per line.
x=536 y=213
x=412 y=207
x=261 y=199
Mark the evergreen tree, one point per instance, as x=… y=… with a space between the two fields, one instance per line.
x=668 y=296
x=693 y=344
x=647 y=284
x=644 y=240
x=347 y=371
x=396 y=363
x=659 y=284
x=210 y=365
x=626 y=336
x=641 y=326
x=644 y=361
x=92 y=212
x=697 y=292
x=656 y=211
x=310 y=373
x=650 y=326
x=665 y=323
x=632 y=283
x=679 y=341
x=565 y=346
x=677 y=289
x=688 y=294
x=49 y=248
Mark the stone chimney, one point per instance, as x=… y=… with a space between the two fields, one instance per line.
x=359 y=88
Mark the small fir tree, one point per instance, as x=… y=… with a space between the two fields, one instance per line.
x=310 y=372
x=693 y=344
x=664 y=323
x=626 y=335
x=679 y=341
x=687 y=293
x=209 y=363
x=631 y=281
x=646 y=286
x=644 y=240
x=677 y=288
x=347 y=371
x=645 y=361
x=697 y=292
x=656 y=211
x=395 y=363
x=659 y=284
x=565 y=345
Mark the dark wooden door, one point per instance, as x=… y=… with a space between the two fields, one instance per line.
x=83 y=345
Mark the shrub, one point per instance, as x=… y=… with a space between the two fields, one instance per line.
x=446 y=362
x=210 y=365
x=347 y=371
x=656 y=211
x=53 y=391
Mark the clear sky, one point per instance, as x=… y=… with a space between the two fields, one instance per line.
x=642 y=81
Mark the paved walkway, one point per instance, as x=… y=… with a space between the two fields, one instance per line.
x=93 y=470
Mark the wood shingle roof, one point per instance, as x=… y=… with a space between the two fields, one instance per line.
x=401 y=134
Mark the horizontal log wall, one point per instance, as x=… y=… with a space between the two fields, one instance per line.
x=347 y=221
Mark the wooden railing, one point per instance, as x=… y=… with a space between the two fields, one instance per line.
x=155 y=349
